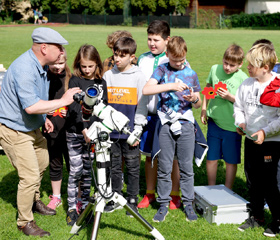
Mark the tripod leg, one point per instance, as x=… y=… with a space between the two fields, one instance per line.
x=96 y=223
x=83 y=216
x=99 y=208
x=122 y=201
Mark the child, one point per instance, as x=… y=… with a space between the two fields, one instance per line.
x=125 y=82
x=109 y=62
x=263 y=124
x=276 y=67
x=88 y=71
x=270 y=97
x=59 y=75
x=176 y=99
x=158 y=36
x=222 y=138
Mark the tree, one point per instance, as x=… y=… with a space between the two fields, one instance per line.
x=159 y=7
x=114 y=7
x=16 y=9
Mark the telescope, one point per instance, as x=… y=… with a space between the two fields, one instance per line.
x=99 y=133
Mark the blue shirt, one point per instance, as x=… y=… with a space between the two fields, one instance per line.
x=174 y=100
x=276 y=68
x=24 y=84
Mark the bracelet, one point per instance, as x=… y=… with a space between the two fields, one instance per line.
x=194 y=102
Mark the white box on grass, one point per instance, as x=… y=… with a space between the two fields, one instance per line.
x=218 y=204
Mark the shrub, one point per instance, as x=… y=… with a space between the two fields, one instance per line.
x=205 y=19
x=255 y=20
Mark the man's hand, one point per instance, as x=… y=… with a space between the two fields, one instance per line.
x=48 y=126
x=68 y=95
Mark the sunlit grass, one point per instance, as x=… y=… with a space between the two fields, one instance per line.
x=205 y=48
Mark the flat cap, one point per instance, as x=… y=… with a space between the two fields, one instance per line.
x=47 y=35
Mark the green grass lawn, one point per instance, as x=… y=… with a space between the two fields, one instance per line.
x=205 y=48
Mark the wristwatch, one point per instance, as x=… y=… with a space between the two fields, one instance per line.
x=194 y=102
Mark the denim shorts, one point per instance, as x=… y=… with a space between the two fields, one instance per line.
x=223 y=144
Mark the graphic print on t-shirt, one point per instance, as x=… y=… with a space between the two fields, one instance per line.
x=122 y=95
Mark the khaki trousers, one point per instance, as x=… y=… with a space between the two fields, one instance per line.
x=27 y=152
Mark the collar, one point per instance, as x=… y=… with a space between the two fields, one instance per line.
x=42 y=71
x=157 y=57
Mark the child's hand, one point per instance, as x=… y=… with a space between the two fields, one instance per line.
x=190 y=97
x=51 y=112
x=203 y=117
x=225 y=94
x=261 y=136
x=135 y=144
x=64 y=111
x=179 y=86
x=87 y=139
x=242 y=126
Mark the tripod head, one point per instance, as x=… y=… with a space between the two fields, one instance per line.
x=112 y=119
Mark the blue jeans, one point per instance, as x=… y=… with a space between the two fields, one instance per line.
x=121 y=149
x=183 y=146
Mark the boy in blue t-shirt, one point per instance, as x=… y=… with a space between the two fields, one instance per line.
x=158 y=36
x=178 y=89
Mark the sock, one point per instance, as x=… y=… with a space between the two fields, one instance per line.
x=175 y=193
x=58 y=196
x=150 y=191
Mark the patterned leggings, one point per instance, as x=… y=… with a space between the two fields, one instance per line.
x=80 y=169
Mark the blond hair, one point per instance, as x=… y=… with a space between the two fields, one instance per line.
x=262 y=54
x=68 y=73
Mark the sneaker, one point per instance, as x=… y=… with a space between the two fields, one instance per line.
x=133 y=204
x=190 y=214
x=251 y=222
x=111 y=207
x=71 y=217
x=175 y=202
x=161 y=214
x=79 y=207
x=147 y=199
x=273 y=230
x=54 y=203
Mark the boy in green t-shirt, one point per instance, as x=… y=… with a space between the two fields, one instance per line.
x=222 y=138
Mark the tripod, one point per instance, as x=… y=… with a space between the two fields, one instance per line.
x=99 y=133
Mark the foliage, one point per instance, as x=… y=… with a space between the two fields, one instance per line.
x=255 y=20
x=6 y=20
x=227 y=22
x=158 y=7
x=205 y=19
x=138 y=7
